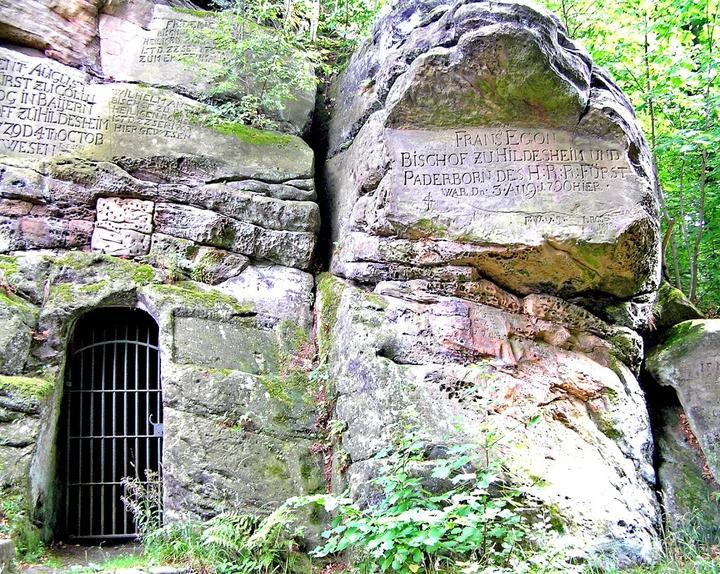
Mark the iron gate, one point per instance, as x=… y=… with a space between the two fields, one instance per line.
x=112 y=420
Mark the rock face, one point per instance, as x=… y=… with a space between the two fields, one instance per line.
x=481 y=173
x=478 y=139
x=114 y=193
x=687 y=485
x=222 y=362
x=153 y=48
x=497 y=249
x=687 y=361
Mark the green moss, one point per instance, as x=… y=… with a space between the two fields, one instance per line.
x=295 y=335
x=140 y=273
x=77 y=260
x=253 y=136
x=608 y=429
x=277 y=469
x=556 y=519
x=13 y=301
x=192 y=12
x=9 y=265
x=62 y=293
x=192 y=293
x=594 y=255
x=329 y=290
x=14 y=522
x=377 y=300
x=423 y=228
x=91 y=288
x=275 y=387
x=26 y=387
x=281 y=419
x=680 y=340
x=143 y=274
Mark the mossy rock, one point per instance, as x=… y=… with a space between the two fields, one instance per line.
x=197 y=295
x=672 y=307
x=27 y=388
x=329 y=294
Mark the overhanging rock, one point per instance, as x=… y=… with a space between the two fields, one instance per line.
x=478 y=138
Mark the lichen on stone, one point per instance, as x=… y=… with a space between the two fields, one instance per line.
x=26 y=387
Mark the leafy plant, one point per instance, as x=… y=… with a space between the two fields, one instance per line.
x=255 y=66
x=15 y=523
x=437 y=515
x=664 y=55
x=229 y=543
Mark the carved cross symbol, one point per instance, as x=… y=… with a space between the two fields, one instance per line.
x=429 y=201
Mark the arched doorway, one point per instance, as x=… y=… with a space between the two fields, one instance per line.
x=111 y=424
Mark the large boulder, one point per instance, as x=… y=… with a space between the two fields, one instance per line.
x=172 y=46
x=121 y=168
x=66 y=31
x=235 y=364
x=478 y=138
x=491 y=198
x=462 y=367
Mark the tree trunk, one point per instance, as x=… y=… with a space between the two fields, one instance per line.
x=700 y=226
x=314 y=20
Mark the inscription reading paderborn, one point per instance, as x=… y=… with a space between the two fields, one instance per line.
x=528 y=172
x=511 y=162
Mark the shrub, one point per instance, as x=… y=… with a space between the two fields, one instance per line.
x=471 y=520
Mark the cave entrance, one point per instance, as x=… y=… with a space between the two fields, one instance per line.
x=112 y=423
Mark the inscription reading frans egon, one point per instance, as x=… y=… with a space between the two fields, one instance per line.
x=504 y=167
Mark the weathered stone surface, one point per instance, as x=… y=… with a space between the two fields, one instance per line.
x=672 y=307
x=7 y=554
x=224 y=345
x=205 y=264
x=105 y=166
x=479 y=135
x=18 y=319
x=687 y=360
x=211 y=466
x=456 y=363
x=243 y=220
x=62 y=112
x=276 y=293
x=163 y=52
x=21 y=403
x=225 y=370
x=66 y=31
x=123 y=226
x=291 y=248
x=688 y=492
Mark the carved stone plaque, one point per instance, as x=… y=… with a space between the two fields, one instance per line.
x=509 y=184
x=48 y=109
x=123 y=226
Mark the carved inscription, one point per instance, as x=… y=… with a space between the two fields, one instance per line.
x=172 y=43
x=540 y=177
x=709 y=369
x=148 y=113
x=44 y=111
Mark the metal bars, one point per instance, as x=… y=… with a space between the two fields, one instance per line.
x=112 y=420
